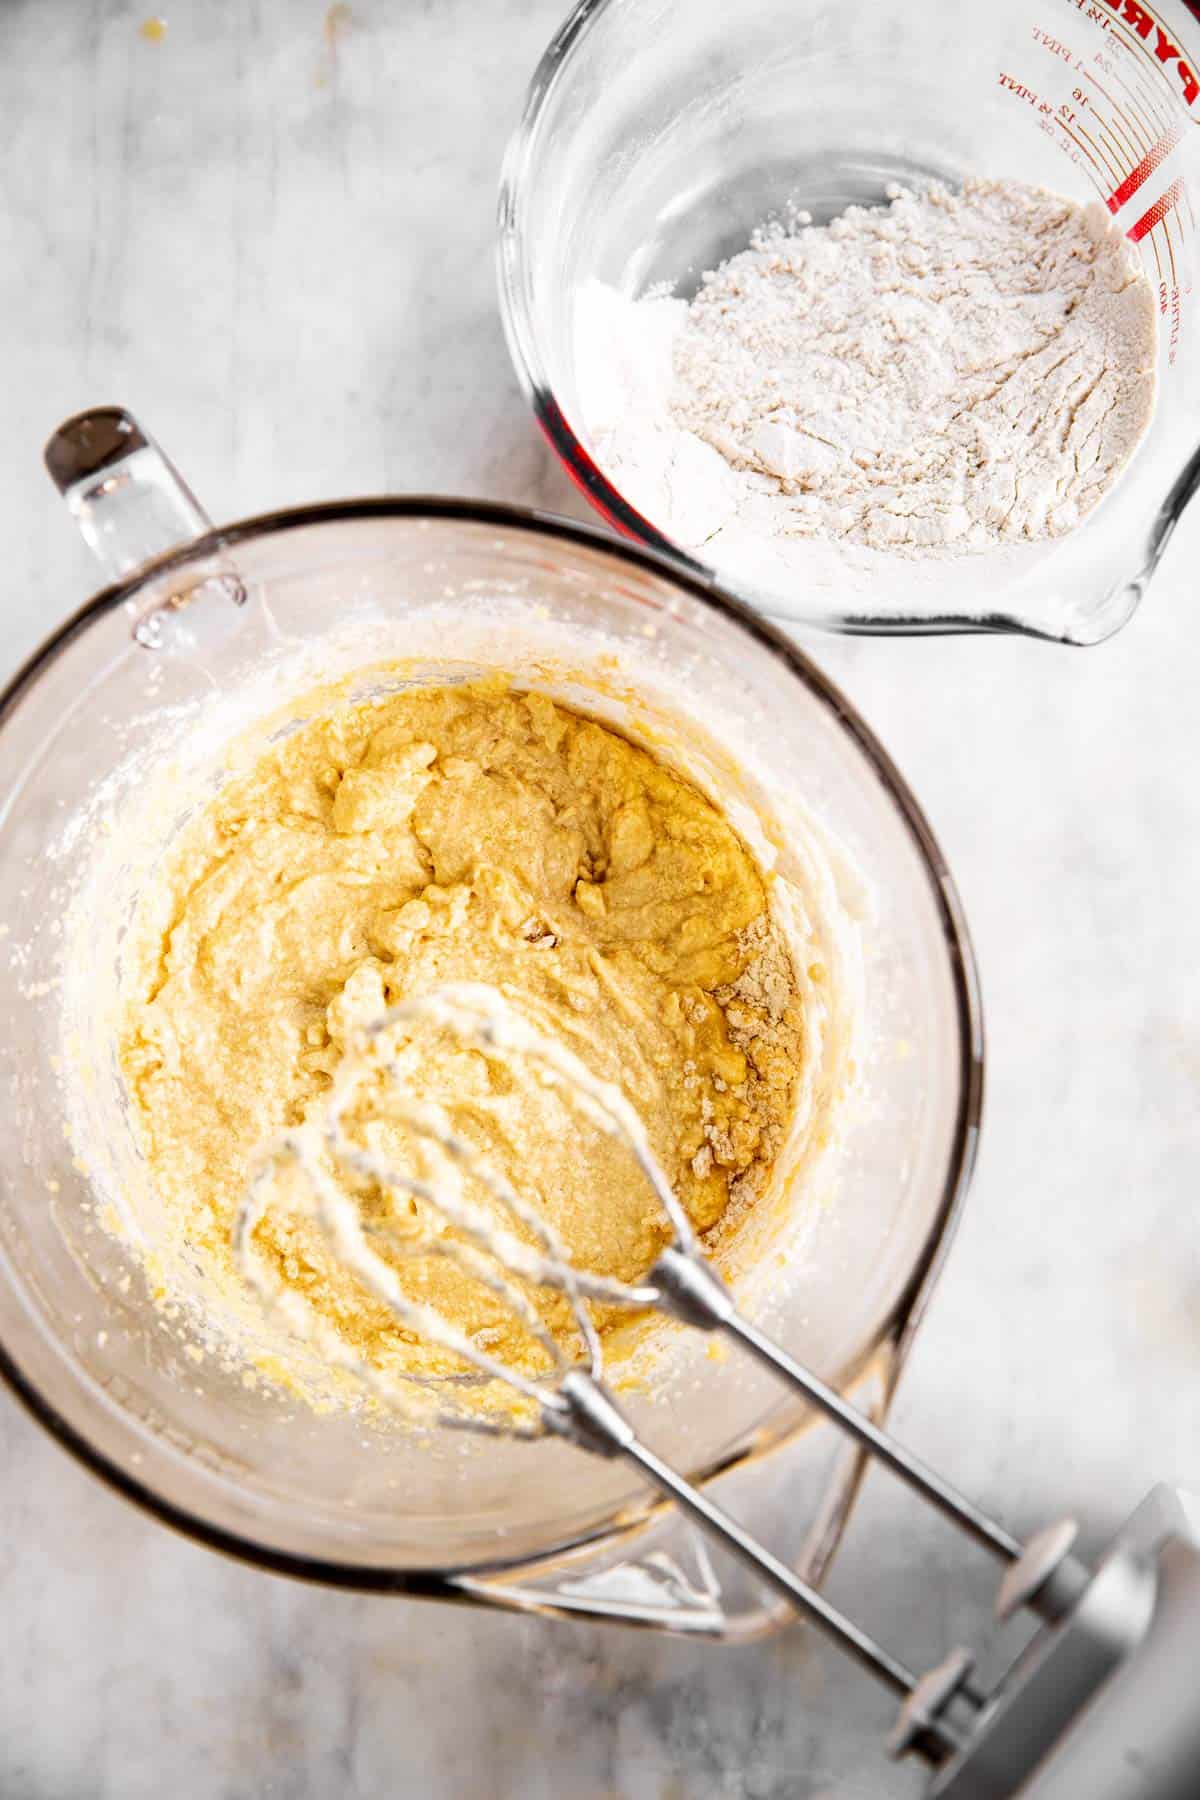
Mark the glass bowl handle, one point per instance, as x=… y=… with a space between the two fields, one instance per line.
x=128 y=499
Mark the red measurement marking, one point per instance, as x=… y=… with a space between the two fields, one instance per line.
x=1054 y=45
x=1083 y=159
x=1130 y=124
x=1154 y=215
x=1145 y=22
x=1157 y=154
x=1119 y=150
x=1018 y=88
x=1098 y=157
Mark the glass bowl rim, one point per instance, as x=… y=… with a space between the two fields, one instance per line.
x=901 y=1322
x=516 y=313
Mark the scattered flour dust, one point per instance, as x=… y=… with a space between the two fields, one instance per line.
x=953 y=372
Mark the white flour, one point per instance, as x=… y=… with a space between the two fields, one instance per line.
x=954 y=372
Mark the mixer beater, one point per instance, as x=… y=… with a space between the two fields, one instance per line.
x=1104 y=1703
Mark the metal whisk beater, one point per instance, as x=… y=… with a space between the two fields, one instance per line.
x=1116 y=1633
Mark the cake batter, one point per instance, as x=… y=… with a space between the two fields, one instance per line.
x=464 y=833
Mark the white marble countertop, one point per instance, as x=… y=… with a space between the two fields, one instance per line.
x=277 y=250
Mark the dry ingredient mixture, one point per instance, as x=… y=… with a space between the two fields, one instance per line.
x=954 y=372
x=465 y=833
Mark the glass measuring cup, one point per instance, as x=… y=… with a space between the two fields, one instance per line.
x=658 y=133
x=156 y=670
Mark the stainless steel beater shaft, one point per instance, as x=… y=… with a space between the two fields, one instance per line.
x=696 y=1294
x=597 y=1424
x=691 y=1290
x=1102 y=1701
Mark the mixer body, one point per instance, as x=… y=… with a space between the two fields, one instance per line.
x=1105 y=1704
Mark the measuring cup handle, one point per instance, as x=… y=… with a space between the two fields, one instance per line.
x=129 y=501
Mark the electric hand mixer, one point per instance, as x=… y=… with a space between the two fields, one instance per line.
x=1104 y=1703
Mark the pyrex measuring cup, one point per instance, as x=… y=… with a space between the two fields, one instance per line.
x=658 y=133
x=156 y=671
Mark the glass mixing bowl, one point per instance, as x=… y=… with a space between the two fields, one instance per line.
x=159 y=668
x=658 y=133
